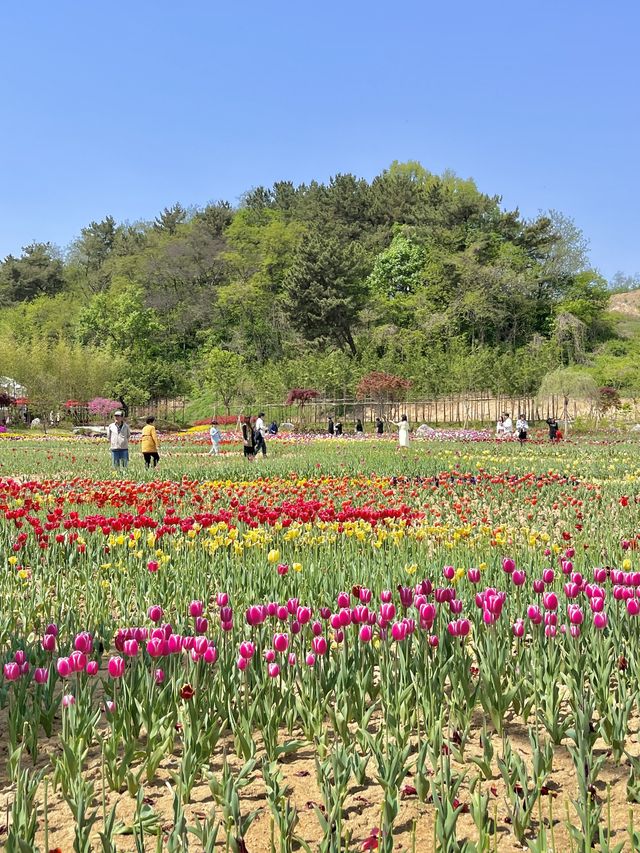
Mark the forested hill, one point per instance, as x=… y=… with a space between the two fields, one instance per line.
x=420 y=275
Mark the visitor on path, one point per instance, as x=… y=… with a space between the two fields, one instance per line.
x=359 y=427
x=552 y=423
x=522 y=428
x=273 y=428
x=330 y=426
x=150 y=443
x=215 y=437
x=261 y=444
x=338 y=427
x=379 y=426
x=119 y=434
x=507 y=425
x=500 y=427
x=403 y=431
x=248 y=438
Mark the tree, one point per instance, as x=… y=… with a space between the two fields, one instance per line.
x=326 y=289
x=301 y=396
x=398 y=271
x=102 y=406
x=38 y=271
x=382 y=387
x=224 y=373
x=171 y=218
x=570 y=384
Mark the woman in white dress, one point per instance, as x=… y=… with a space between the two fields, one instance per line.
x=403 y=431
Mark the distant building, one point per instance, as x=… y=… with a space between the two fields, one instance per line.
x=11 y=387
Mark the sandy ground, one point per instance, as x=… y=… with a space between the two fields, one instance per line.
x=414 y=828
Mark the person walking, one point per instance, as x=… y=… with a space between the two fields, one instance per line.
x=379 y=426
x=500 y=427
x=330 y=426
x=552 y=423
x=359 y=427
x=216 y=437
x=149 y=443
x=403 y=431
x=260 y=430
x=248 y=438
x=338 y=427
x=522 y=428
x=119 y=434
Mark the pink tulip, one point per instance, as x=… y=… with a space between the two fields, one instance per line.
x=343 y=599
x=274 y=670
x=242 y=663
x=364 y=595
x=49 y=643
x=474 y=575
x=272 y=608
x=20 y=657
x=131 y=648
x=365 y=634
x=92 y=668
x=292 y=605
x=398 y=631
x=155 y=613
x=325 y=613
x=319 y=645
x=574 y=630
x=385 y=596
x=303 y=615
x=548 y=575
x=247 y=650
x=63 y=667
x=116 y=667
x=449 y=572
x=455 y=606
x=600 y=575
x=222 y=599
x=518 y=576
x=566 y=566
x=570 y=552
x=283 y=569
x=196 y=608
x=508 y=565
x=41 y=675
x=83 y=643
x=534 y=614
x=292 y=660
x=158 y=676
x=550 y=601
x=153 y=566
x=52 y=629
x=78 y=661
x=316 y=628
x=387 y=612
x=281 y=642
x=227 y=626
x=538 y=586
x=68 y=700
x=201 y=625
x=110 y=706
x=434 y=641
x=310 y=659
x=269 y=655
x=12 y=671
x=576 y=616
x=633 y=607
x=518 y=628
x=210 y=655
x=600 y=620
x=550 y=631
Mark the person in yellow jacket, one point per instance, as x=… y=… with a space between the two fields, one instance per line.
x=150 y=444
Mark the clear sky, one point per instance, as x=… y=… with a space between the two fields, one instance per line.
x=126 y=107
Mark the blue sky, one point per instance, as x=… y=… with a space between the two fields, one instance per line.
x=125 y=108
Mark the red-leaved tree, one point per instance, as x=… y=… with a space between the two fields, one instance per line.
x=382 y=387
x=301 y=396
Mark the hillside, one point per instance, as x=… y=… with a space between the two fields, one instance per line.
x=626 y=303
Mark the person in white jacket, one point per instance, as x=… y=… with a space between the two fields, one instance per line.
x=522 y=428
x=119 y=434
x=507 y=426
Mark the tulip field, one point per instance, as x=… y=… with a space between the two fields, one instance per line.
x=340 y=647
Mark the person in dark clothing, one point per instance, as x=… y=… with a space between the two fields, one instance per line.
x=552 y=423
x=273 y=428
x=338 y=427
x=248 y=438
x=379 y=426
x=330 y=427
x=359 y=427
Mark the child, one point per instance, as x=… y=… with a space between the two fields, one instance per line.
x=216 y=437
